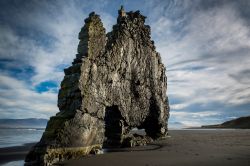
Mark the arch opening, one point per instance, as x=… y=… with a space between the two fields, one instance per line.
x=114 y=126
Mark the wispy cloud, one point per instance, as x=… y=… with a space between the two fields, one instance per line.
x=43 y=38
x=205 y=46
x=194 y=119
x=207 y=58
x=18 y=100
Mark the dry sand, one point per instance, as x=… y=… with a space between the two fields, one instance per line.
x=183 y=148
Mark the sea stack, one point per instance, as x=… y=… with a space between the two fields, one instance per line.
x=117 y=82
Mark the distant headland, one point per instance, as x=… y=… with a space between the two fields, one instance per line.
x=239 y=123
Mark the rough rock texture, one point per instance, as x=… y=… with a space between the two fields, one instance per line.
x=116 y=82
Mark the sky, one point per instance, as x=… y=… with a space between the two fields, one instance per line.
x=204 y=44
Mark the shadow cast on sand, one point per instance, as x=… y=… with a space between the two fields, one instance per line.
x=149 y=147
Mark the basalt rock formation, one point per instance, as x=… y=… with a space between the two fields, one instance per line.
x=117 y=82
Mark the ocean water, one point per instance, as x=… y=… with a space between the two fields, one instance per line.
x=14 y=163
x=18 y=137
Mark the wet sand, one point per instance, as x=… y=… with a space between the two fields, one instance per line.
x=15 y=153
x=184 y=147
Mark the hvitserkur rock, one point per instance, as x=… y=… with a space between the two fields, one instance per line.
x=116 y=82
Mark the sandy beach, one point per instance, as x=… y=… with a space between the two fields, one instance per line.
x=183 y=147
x=15 y=153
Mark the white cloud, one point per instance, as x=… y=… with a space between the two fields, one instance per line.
x=205 y=52
x=60 y=23
x=213 y=39
x=179 y=106
x=61 y=27
x=219 y=29
x=195 y=114
x=18 y=100
x=195 y=119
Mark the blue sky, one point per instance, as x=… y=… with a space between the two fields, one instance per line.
x=205 y=46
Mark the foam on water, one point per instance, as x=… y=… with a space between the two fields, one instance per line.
x=14 y=163
x=18 y=137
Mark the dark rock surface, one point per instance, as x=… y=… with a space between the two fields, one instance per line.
x=116 y=82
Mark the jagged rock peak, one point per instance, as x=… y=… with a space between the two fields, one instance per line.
x=116 y=82
x=121 y=12
x=122 y=15
x=92 y=34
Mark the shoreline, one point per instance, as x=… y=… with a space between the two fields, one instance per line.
x=14 y=153
x=22 y=128
x=182 y=147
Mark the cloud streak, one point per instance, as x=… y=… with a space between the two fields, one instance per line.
x=205 y=46
x=216 y=42
x=18 y=100
x=43 y=39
